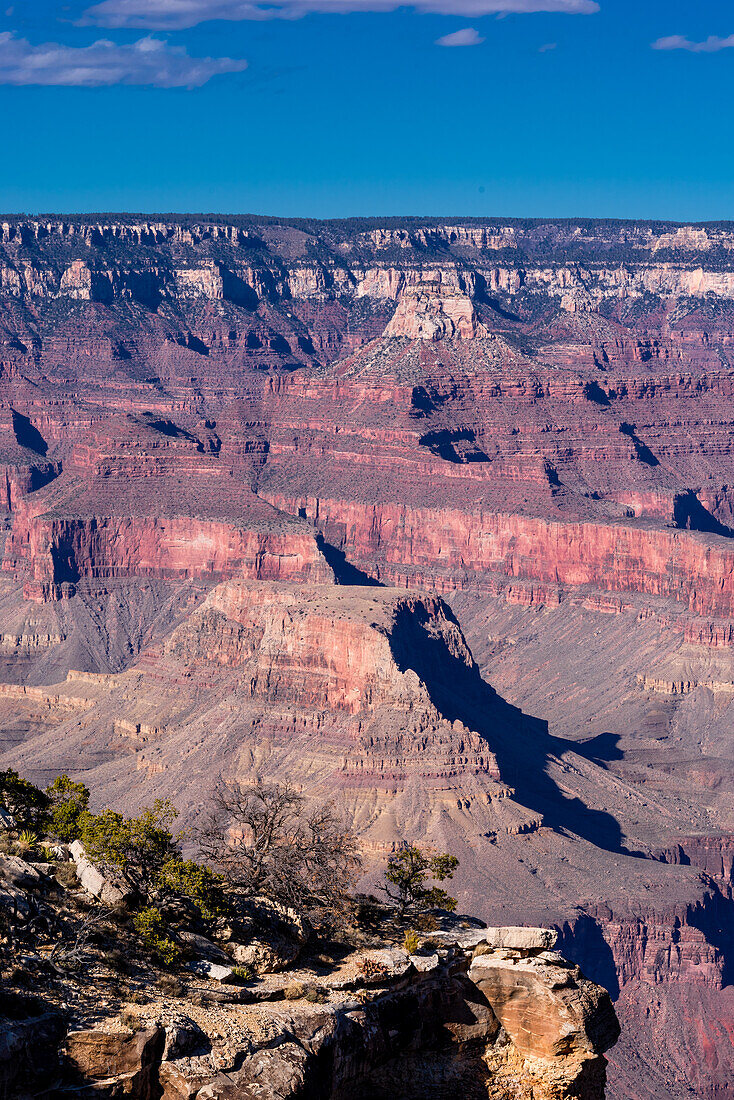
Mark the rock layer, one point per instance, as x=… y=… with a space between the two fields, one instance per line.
x=531 y=418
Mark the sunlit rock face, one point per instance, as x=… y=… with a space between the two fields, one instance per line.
x=206 y=425
x=458 y=1018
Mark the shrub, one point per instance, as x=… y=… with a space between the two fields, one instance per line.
x=151 y=928
x=27 y=805
x=69 y=801
x=243 y=973
x=117 y=960
x=266 y=840
x=103 y=837
x=138 y=997
x=145 y=849
x=27 y=842
x=315 y=995
x=411 y=942
x=66 y=876
x=139 y=846
x=170 y=985
x=294 y=992
x=426 y=922
x=186 y=878
x=373 y=970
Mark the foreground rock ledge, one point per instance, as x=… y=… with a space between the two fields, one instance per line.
x=463 y=1019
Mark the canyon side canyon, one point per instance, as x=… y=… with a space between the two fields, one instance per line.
x=434 y=519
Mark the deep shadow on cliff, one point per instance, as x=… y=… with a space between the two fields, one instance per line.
x=459 y=692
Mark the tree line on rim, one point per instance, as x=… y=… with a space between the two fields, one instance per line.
x=257 y=840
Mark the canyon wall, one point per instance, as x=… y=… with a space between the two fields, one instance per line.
x=210 y=427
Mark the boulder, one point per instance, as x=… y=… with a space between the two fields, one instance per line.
x=216 y=971
x=14 y=871
x=110 y=889
x=385 y=966
x=467 y=1016
x=260 y=914
x=273 y=1074
x=126 y=1061
x=176 y=1085
x=548 y=1011
x=515 y=938
x=183 y=1036
x=15 y=905
x=202 y=946
x=28 y=1049
x=518 y=938
x=266 y=955
x=425 y=963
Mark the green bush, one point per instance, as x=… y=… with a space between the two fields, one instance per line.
x=408 y=872
x=150 y=926
x=186 y=878
x=69 y=802
x=139 y=846
x=243 y=973
x=27 y=842
x=103 y=837
x=27 y=805
x=411 y=942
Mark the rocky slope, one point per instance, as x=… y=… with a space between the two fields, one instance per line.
x=532 y=419
x=484 y=1012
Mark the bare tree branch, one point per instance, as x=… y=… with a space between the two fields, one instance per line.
x=266 y=840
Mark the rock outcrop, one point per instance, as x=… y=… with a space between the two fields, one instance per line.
x=472 y=1020
x=429 y=311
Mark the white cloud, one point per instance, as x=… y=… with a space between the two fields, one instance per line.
x=711 y=45
x=148 y=61
x=177 y=14
x=468 y=37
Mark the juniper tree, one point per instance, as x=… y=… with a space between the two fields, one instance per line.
x=407 y=876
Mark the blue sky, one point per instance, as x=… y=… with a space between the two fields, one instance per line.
x=330 y=108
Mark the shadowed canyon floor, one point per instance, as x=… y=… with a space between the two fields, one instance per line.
x=255 y=475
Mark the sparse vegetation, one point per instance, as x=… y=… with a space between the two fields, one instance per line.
x=411 y=941
x=264 y=839
x=306 y=991
x=270 y=863
x=408 y=874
